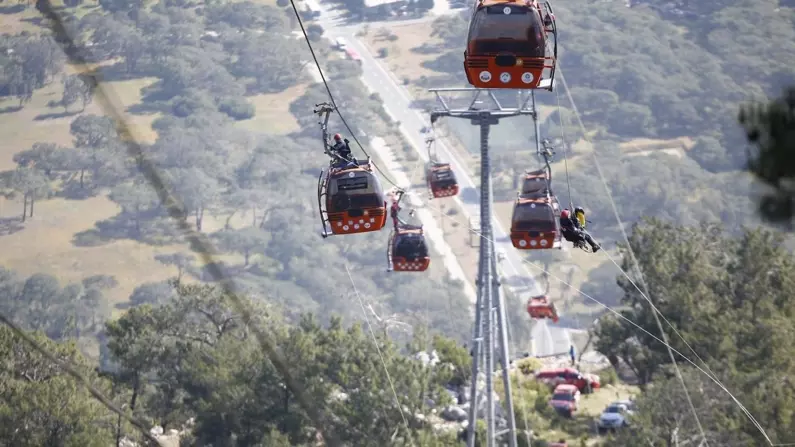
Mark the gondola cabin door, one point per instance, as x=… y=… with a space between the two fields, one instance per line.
x=354 y=201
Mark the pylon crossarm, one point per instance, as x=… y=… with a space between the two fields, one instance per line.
x=525 y=104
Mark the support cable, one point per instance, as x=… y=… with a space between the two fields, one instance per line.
x=331 y=95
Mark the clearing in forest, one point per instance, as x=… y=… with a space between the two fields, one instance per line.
x=53 y=240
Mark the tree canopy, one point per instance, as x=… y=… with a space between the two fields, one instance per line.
x=771 y=129
x=728 y=307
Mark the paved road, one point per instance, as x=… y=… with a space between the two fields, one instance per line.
x=547 y=339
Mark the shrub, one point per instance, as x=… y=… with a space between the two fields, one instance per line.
x=237 y=108
x=528 y=365
x=608 y=376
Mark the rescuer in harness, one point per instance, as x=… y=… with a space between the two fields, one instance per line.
x=572 y=230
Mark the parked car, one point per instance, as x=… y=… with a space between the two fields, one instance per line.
x=616 y=416
x=341 y=44
x=565 y=399
x=584 y=382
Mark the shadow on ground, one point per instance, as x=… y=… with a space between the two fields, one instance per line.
x=55 y=115
x=10 y=225
x=145 y=228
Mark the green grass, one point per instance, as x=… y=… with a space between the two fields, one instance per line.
x=273 y=112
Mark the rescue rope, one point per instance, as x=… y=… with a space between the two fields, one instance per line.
x=582 y=202
x=565 y=150
x=331 y=95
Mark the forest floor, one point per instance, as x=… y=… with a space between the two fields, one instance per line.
x=403 y=60
x=45 y=243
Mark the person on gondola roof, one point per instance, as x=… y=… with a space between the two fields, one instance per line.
x=342 y=149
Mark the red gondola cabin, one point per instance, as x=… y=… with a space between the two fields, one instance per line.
x=540 y=307
x=535 y=224
x=408 y=251
x=441 y=180
x=351 y=200
x=512 y=44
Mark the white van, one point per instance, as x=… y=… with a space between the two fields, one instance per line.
x=340 y=44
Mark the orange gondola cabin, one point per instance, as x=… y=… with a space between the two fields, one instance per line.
x=540 y=307
x=408 y=251
x=535 y=223
x=512 y=44
x=441 y=180
x=351 y=200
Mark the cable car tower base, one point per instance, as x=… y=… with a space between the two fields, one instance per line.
x=490 y=331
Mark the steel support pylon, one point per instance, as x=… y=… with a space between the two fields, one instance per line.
x=490 y=333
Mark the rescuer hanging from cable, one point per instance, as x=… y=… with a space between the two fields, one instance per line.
x=573 y=231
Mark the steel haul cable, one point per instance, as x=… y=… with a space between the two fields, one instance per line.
x=331 y=95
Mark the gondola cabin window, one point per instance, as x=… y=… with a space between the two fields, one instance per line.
x=355 y=189
x=534 y=218
x=443 y=177
x=507 y=28
x=410 y=246
x=352 y=185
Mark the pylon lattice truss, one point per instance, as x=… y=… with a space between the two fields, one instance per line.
x=490 y=330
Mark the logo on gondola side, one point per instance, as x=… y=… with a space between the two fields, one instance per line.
x=485 y=76
x=527 y=78
x=506 y=10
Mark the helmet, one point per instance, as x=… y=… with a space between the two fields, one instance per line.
x=564 y=214
x=337 y=137
x=579 y=210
